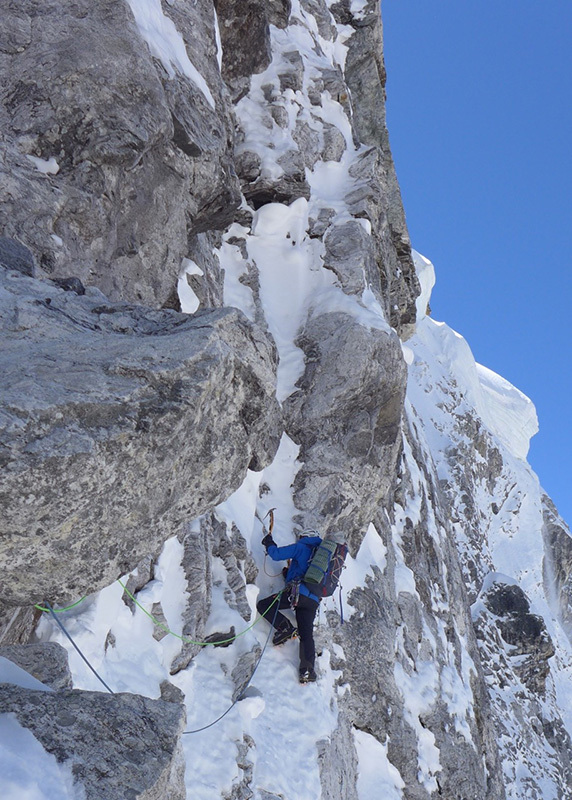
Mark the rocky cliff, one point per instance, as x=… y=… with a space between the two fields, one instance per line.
x=211 y=308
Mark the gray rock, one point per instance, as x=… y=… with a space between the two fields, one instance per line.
x=245 y=39
x=46 y=661
x=17 y=624
x=70 y=285
x=403 y=630
x=279 y=12
x=225 y=548
x=558 y=562
x=171 y=693
x=83 y=88
x=291 y=76
x=346 y=418
x=243 y=670
x=196 y=565
x=241 y=789
x=107 y=395
x=525 y=633
x=160 y=625
x=320 y=11
x=16 y=33
x=208 y=286
x=397 y=281
x=14 y=255
x=334 y=143
x=259 y=189
x=308 y=141
x=350 y=254
x=365 y=75
x=318 y=227
x=121 y=746
x=144 y=572
x=338 y=763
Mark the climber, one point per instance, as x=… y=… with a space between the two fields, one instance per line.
x=297 y=596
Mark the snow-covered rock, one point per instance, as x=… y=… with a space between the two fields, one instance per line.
x=239 y=154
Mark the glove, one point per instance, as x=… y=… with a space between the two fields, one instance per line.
x=267 y=541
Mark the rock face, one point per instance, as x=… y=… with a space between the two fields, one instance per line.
x=346 y=416
x=97 y=398
x=244 y=147
x=114 y=157
x=46 y=661
x=119 y=746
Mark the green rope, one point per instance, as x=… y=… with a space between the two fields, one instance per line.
x=191 y=641
x=59 y=610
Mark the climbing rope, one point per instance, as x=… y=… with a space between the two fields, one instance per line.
x=270 y=574
x=99 y=678
x=192 y=641
x=60 y=610
x=275 y=602
x=241 y=695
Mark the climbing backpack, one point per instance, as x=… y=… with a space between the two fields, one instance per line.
x=325 y=568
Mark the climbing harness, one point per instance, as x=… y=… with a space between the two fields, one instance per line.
x=99 y=678
x=293 y=593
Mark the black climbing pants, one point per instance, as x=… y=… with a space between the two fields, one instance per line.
x=305 y=613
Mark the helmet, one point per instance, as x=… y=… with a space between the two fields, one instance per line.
x=307 y=532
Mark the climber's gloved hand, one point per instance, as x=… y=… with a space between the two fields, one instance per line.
x=267 y=541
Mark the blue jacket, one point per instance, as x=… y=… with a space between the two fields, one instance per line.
x=300 y=554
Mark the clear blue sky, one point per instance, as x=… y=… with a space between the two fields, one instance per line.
x=480 y=123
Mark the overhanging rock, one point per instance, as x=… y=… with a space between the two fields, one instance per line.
x=118 y=423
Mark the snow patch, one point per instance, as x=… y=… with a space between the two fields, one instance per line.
x=46 y=166
x=377 y=777
x=187 y=297
x=12 y=673
x=166 y=43
x=426 y=276
x=443 y=358
x=419 y=690
x=27 y=771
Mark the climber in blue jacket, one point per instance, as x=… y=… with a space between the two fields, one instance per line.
x=296 y=595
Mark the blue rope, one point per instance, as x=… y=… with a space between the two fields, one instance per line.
x=218 y=719
x=241 y=695
x=52 y=612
